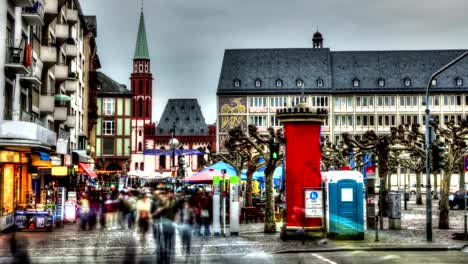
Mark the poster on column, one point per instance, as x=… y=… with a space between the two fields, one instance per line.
x=313 y=203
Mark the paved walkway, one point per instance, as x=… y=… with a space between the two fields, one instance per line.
x=70 y=241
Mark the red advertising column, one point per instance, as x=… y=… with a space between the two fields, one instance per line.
x=303 y=167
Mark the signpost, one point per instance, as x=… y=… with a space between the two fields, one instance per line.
x=313 y=204
x=370 y=190
x=216 y=205
x=234 y=207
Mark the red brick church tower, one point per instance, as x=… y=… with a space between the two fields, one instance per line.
x=141 y=84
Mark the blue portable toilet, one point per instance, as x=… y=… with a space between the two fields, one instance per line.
x=344 y=204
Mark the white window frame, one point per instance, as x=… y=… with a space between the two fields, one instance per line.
x=299 y=82
x=258 y=83
x=381 y=82
x=108 y=106
x=237 y=83
x=258 y=102
x=259 y=121
x=407 y=82
x=434 y=82
x=108 y=127
x=459 y=81
x=278 y=101
x=356 y=83
x=275 y=122
x=279 y=83
x=319 y=82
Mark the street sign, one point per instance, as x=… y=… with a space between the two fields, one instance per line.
x=313 y=204
x=370 y=172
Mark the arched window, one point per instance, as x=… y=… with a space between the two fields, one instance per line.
x=140 y=146
x=258 y=83
x=279 y=83
x=133 y=107
x=142 y=166
x=139 y=133
x=148 y=107
x=355 y=82
x=140 y=107
x=381 y=82
x=162 y=160
x=136 y=166
x=140 y=87
x=299 y=83
x=237 y=83
x=319 y=82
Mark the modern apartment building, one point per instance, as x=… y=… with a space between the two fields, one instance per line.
x=362 y=90
x=42 y=96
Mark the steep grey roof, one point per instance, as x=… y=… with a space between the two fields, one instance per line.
x=337 y=69
x=269 y=65
x=107 y=86
x=187 y=116
x=91 y=24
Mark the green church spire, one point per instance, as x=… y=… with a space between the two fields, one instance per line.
x=141 y=49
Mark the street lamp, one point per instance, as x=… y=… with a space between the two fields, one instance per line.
x=173 y=144
x=427 y=139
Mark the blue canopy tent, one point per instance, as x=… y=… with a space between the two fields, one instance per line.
x=259 y=175
x=220 y=165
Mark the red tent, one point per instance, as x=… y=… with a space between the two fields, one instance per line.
x=204 y=176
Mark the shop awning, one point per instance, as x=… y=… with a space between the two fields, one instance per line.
x=43 y=155
x=87 y=168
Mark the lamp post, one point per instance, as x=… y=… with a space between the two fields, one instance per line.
x=427 y=140
x=173 y=144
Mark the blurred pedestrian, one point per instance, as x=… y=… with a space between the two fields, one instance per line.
x=205 y=206
x=84 y=211
x=187 y=219
x=156 y=216
x=130 y=204
x=167 y=211
x=143 y=207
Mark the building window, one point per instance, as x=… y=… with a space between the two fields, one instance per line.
x=299 y=83
x=297 y=100
x=278 y=101
x=257 y=102
x=146 y=68
x=355 y=83
x=109 y=106
x=237 y=83
x=162 y=160
x=275 y=121
x=140 y=146
x=142 y=166
x=140 y=68
x=108 y=127
x=108 y=146
x=381 y=82
x=259 y=121
x=136 y=166
x=434 y=82
x=279 y=83
x=459 y=81
x=407 y=82
x=258 y=83
x=319 y=82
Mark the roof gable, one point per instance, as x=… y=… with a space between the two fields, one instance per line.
x=187 y=117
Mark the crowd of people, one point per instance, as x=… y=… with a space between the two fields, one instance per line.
x=160 y=211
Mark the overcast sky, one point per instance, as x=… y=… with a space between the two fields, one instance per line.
x=187 y=38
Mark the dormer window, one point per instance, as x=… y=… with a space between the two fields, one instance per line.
x=319 y=82
x=299 y=83
x=434 y=82
x=237 y=83
x=356 y=83
x=407 y=82
x=279 y=83
x=258 y=83
x=459 y=81
x=381 y=82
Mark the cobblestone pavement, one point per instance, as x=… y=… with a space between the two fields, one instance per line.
x=70 y=241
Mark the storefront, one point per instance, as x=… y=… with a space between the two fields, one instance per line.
x=15 y=185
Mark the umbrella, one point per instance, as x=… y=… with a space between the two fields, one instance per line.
x=260 y=173
x=220 y=165
x=62 y=98
x=204 y=176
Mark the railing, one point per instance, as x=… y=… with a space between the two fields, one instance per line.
x=37 y=8
x=15 y=53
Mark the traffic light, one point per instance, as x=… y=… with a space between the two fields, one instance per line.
x=274 y=151
x=438 y=158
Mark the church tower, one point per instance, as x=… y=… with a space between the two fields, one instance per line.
x=141 y=84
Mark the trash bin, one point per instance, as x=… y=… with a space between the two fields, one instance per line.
x=394 y=210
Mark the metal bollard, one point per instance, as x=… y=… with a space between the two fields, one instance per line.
x=376 y=228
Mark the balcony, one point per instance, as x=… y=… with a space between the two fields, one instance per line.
x=23 y=3
x=60 y=72
x=61 y=33
x=71 y=85
x=34 y=15
x=15 y=60
x=28 y=134
x=71 y=121
x=35 y=76
x=48 y=55
x=60 y=113
x=71 y=15
x=47 y=103
x=71 y=50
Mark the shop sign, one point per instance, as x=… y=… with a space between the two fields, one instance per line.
x=59 y=171
x=9 y=156
x=56 y=161
x=370 y=172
